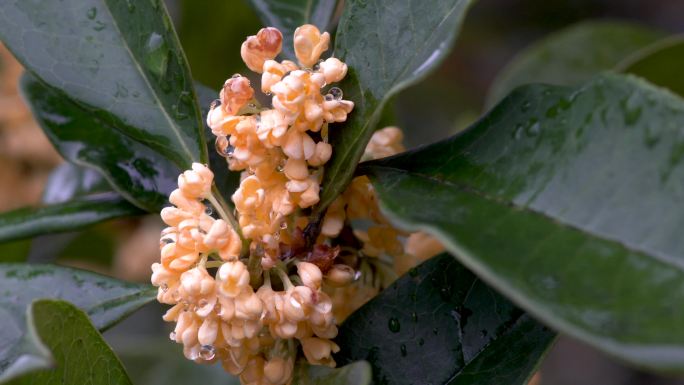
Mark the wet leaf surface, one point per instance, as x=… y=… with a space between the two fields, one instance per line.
x=140 y=174
x=79 y=354
x=120 y=60
x=105 y=300
x=372 y=37
x=439 y=324
x=567 y=201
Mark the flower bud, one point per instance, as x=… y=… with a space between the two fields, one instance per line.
x=298 y=145
x=274 y=72
x=233 y=277
x=248 y=306
x=186 y=203
x=207 y=333
x=235 y=94
x=309 y=44
x=310 y=274
x=335 y=111
x=321 y=154
x=340 y=275
x=172 y=216
x=278 y=370
x=254 y=371
x=298 y=303
x=264 y=46
x=296 y=169
x=318 y=351
x=333 y=69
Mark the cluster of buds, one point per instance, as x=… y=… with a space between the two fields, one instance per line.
x=281 y=149
x=249 y=298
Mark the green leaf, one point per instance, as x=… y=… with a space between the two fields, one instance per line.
x=139 y=174
x=356 y=373
x=120 y=60
x=105 y=300
x=572 y=55
x=28 y=222
x=387 y=46
x=287 y=15
x=69 y=181
x=225 y=180
x=440 y=324
x=81 y=355
x=660 y=64
x=567 y=201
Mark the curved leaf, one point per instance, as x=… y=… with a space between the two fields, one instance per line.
x=105 y=300
x=28 y=222
x=120 y=60
x=388 y=46
x=141 y=175
x=567 y=201
x=81 y=355
x=287 y=15
x=440 y=324
x=660 y=64
x=572 y=55
x=69 y=181
x=356 y=373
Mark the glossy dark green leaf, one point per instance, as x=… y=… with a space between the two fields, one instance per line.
x=120 y=60
x=568 y=201
x=440 y=324
x=140 y=174
x=80 y=354
x=287 y=15
x=226 y=181
x=356 y=373
x=105 y=300
x=69 y=181
x=660 y=63
x=388 y=46
x=572 y=55
x=28 y=222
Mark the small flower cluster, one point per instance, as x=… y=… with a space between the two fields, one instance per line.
x=281 y=149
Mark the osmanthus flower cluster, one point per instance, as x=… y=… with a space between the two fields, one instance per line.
x=247 y=290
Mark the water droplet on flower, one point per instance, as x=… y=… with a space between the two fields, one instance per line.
x=236 y=76
x=92 y=12
x=357 y=275
x=403 y=350
x=223 y=147
x=336 y=93
x=167 y=241
x=164 y=287
x=276 y=235
x=172 y=336
x=208 y=210
x=317 y=66
x=283 y=225
x=393 y=325
x=207 y=352
x=202 y=303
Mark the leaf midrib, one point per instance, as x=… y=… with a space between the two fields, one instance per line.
x=161 y=105
x=557 y=221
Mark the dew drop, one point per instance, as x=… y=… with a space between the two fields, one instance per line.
x=434 y=331
x=421 y=342
x=92 y=13
x=167 y=241
x=414 y=316
x=207 y=352
x=403 y=350
x=283 y=225
x=131 y=6
x=172 y=336
x=223 y=147
x=335 y=93
x=235 y=76
x=317 y=66
x=394 y=325
x=276 y=235
x=525 y=106
x=164 y=287
x=208 y=210
x=202 y=303
x=157 y=54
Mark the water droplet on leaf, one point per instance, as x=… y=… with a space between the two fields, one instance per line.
x=92 y=13
x=394 y=325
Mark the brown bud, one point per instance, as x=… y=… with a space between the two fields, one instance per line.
x=323 y=256
x=264 y=46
